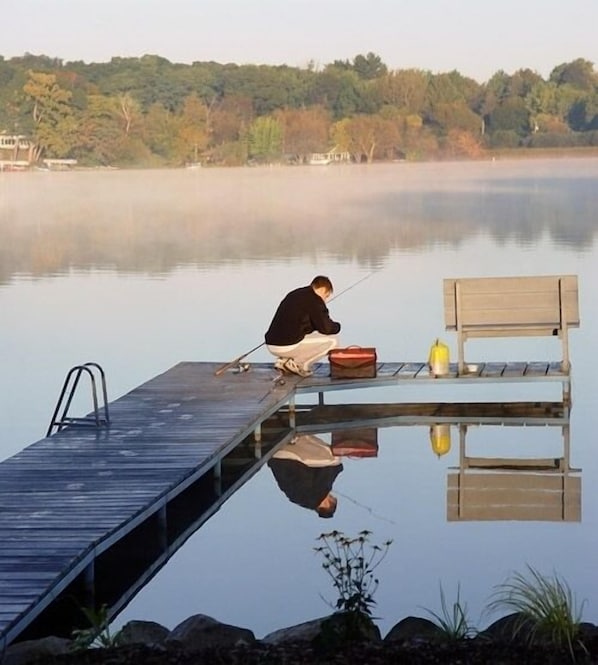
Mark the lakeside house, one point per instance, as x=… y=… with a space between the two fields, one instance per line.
x=333 y=156
x=16 y=154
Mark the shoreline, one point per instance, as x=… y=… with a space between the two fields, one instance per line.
x=511 y=154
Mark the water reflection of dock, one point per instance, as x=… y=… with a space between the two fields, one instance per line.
x=480 y=488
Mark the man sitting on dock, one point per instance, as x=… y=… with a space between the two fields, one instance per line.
x=305 y=470
x=302 y=331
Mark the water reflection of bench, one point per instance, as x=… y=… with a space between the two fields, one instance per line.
x=539 y=489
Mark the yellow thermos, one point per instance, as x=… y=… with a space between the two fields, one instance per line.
x=439 y=359
x=440 y=438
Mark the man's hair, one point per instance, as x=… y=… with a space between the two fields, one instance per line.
x=322 y=281
x=327 y=511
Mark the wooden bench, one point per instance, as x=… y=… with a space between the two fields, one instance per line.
x=511 y=307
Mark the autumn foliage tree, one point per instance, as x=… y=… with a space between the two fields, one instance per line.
x=54 y=123
x=305 y=130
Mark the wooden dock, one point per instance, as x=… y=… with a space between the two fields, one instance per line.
x=67 y=501
x=80 y=506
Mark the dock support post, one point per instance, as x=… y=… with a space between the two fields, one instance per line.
x=321 y=399
x=217 y=474
x=163 y=528
x=257 y=433
x=292 y=412
x=89 y=584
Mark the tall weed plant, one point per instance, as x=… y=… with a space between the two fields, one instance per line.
x=350 y=563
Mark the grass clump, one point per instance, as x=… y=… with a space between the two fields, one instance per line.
x=546 y=605
x=98 y=634
x=453 y=620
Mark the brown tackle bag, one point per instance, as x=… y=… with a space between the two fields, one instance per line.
x=353 y=362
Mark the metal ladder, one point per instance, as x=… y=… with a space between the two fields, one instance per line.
x=97 y=419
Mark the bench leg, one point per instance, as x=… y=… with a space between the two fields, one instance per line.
x=461 y=352
x=567 y=393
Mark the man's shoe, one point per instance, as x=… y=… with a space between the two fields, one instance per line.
x=292 y=366
x=280 y=363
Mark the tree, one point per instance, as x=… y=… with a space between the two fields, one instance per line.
x=369 y=66
x=511 y=115
x=229 y=118
x=342 y=92
x=522 y=82
x=495 y=92
x=129 y=111
x=53 y=122
x=418 y=140
x=366 y=136
x=162 y=133
x=194 y=130
x=305 y=130
x=460 y=143
x=404 y=89
x=265 y=139
x=100 y=130
x=451 y=87
x=270 y=88
x=449 y=101
x=455 y=116
x=579 y=74
x=583 y=114
x=548 y=98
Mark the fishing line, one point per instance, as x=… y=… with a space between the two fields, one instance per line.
x=367 y=508
x=359 y=281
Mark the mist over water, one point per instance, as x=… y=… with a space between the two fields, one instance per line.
x=157 y=221
x=139 y=270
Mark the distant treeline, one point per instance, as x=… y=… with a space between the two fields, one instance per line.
x=150 y=112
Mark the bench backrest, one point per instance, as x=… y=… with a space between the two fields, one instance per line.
x=511 y=306
x=540 y=303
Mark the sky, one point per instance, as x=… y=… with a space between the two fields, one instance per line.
x=475 y=37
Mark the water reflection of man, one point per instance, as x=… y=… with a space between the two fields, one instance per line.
x=305 y=471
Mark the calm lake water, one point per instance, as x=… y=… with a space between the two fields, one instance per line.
x=139 y=270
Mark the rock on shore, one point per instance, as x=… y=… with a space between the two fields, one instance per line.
x=202 y=640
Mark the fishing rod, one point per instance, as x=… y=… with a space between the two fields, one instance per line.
x=237 y=361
